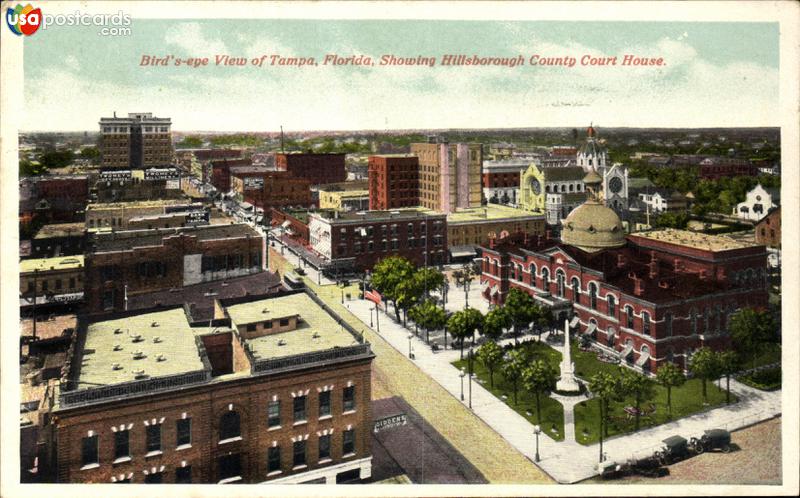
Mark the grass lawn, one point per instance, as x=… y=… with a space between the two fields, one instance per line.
x=766 y=380
x=770 y=354
x=552 y=411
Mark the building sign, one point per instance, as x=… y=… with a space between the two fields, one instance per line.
x=161 y=174
x=390 y=422
x=253 y=183
x=112 y=175
x=173 y=184
x=200 y=217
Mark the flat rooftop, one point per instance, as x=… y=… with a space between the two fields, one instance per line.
x=401 y=213
x=136 y=204
x=60 y=230
x=490 y=212
x=176 y=342
x=129 y=239
x=51 y=264
x=316 y=330
x=695 y=240
x=49 y=328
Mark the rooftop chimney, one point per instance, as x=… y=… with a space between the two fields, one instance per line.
x=620 y=260
x=638 y=288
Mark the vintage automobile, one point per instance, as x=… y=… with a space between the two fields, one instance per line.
x=611 y=469
x=675 y=448
x=710 y=440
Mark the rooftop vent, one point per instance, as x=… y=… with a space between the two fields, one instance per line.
x=139 y=374
x=117 y=331
x=265 y=310
x=315 y=335
x=156 y=339
x=116 y=366
x=161 y=357
x=137 y=338
x=117 y=347
x=281 y=342
x=154 y=324
x=138 y=355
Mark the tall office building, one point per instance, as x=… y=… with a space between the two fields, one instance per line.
x=138 y=141
x=449 y=175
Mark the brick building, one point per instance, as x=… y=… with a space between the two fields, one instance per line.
x=120 y=215
x=475 y=226
x=220 y=172
x=129 y=186
x=344 y=196
x=61 y=239
x=138 y=141
x=501 y=179
x=316 y=168
x=273 y=390
x=52 y=281
x=61 y=198
x=712 y=168
x=266 y=189
x=393 y=181
x=655 y=298
x=293 y=222
x=768 y=230
x=449 y=175
x=357 y=241
x=121 y=264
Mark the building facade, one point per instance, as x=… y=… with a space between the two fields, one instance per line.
x=501 y=179
x=119 y=215
x=592 y=155
x=393 y=181
x=61 y=198
x=138 y=141
x=318 y=169
x=220 y=172
x=61 y=239
x=449 y=175
x=267 y=189
x=768 y=229
x=757 y=202
x=476 y=226
x=51 y=281
x=553 y=191
x=712 y=168
x=248 y=400
x=663 y=200
x=615 y=188
x=122 y=264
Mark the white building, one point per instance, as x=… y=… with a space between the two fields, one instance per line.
x=757 y=203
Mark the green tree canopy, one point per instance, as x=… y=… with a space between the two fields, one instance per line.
x=491 y=355
x=512 y=369
x=638 y=386
x=520 y=307
x=729 y=364
x=462 y=324
x=388 y=275
x=605 y=388
x=669 y=376
x=538 y=378
x=190 y=142
x=494 y=323
x=704 y=365
x=750 y=330
x=428 y=316
x=428 y=279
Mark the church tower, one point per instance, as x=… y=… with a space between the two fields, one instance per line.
x=592 y=155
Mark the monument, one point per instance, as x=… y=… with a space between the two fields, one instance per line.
x=567 y=382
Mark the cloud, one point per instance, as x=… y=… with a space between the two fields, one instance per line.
x=190 y=38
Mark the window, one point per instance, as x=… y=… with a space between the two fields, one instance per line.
x=612 y=305
x=274 y=414
x=229 y=466
x=349 y=442
x=629 y=317
x=693 y=320
x=560 y=278
x=251 y=327
x=645 y=323
x=299 y=453
x=532 y=270
x=284 y=322
x=324 y=403
x=72 y=282
x=274 y=459
x=324 y=447
x=546 y=279
x=268 y=324
x=154 y=438
x=45 y=285
x=30 y=286
x=58 y=284
x=349 y=398
x=706 y=321
x=229 y=425
x=183 y=475
x=89 y=450
x=576 y=290
x=154 y=478
x=121 y=445
x=183 y=429
x=668 y=324
x=299 y=409
x=593 y=295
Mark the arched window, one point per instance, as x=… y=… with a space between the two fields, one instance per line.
x=229 y=425
x=693 y=320
x=494 y=265
x=612 y=305
x=706 y=321
x=593 y=295
x=611 y=336
x=670 y=354
x=546 y=279
x=576 y=289
x=532 y=269
x=718 y=319
x=561 y=278
x=629 y=317
x=645 y=323
x=668 y=324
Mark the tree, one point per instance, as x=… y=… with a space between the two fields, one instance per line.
x=464 y=276
x=190 y=142
x=463 y=323
x=543 y=317
x=669 y=376
x=520 y=307
x=428 y=279
x=428 y=316
x=494 y=323
x=387 y=276
x=539 y=378
x=56 y=159
x=90 y=153
x=407 y=295
x=728 y=362
x=604 y=387
x=638 y=386
x=491 y=355
x=703 y=364
x=513 y=367
x=750 y=330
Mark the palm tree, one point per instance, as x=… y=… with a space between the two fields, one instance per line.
x=605 y=387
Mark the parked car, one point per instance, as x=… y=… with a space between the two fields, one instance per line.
x=300 y=271
x=710 y=440
x=675 y=448
x=611 y=469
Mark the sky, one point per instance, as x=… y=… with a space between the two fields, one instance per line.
x=716 y=74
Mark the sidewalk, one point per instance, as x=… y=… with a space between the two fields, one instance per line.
x=565 y=461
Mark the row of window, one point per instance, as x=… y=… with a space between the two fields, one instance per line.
x=122 y=449
x=251 y=327
x=58 y=284
x=300 y=451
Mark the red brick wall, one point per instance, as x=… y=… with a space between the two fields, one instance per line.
x=299 y=228
x=393 y=182
x=316 y=168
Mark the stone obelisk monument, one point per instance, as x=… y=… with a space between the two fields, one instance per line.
x=567 y=383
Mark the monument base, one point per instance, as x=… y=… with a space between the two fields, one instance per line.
x=569 y=385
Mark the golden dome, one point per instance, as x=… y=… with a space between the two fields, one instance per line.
x=592 y=227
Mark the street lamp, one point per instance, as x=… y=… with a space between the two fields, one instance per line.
x=377 y=319
x=470 y=376
x=342 y=285
x=537 y=430
x=370 y=318
x=409 y=345
x=462 y=374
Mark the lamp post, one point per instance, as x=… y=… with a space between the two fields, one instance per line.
x=462 y=374
x=377 y=319
x=342 y=286
x=370 y=318
x=470 y=376
x=409 y=344
x=537 y=430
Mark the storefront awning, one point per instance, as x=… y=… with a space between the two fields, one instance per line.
x=643 y=357
x=462 y=252
x=627 y=351
x=590 y=329
x=575 y=321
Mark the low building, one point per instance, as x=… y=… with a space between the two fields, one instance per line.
x=61 y=198
x=318 y=169
x=267 y=189
x=393 y=181
x=219 y=172
x=51 y=281
x=138 y=214
x=131 y=186
x=712 y=168
x=661 y=200
x=354 y=242
x=293 y=223
x=123 y=264
x=475 y=226
x=559 y=205
x=346 y=196
x=501 y=177
x=768 y=229
x=273 y=390
x=60 y=239
x=758 y=201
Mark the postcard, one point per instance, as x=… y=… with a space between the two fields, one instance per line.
x=399 y=248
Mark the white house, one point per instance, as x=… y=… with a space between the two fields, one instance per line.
x=757 y=203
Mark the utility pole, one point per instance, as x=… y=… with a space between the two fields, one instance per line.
x=282 y=138
x=35 y=291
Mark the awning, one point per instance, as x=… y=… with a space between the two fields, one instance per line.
x=591 y=328
x=643 y=357
x=462 y=251
x=627 y=351
x=575 y=321
x=495 y=290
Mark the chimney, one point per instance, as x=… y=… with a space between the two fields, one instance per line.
x=620 y=260
x=548 y=234
x=638 y=288
x=677 y=264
